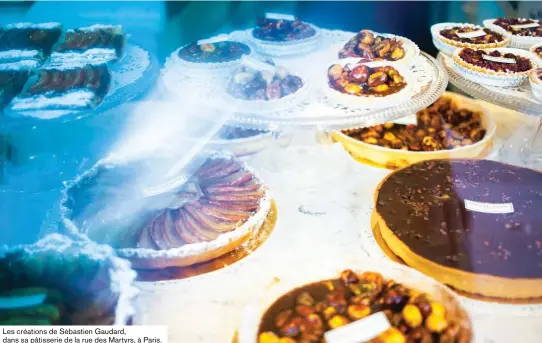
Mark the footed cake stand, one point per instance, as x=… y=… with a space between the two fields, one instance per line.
x=302 y=145
x=523 y=148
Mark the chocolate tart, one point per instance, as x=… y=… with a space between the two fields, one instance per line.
x=302 y=307
x=215 y=211
x=521 y=38
x=57 y=281
x=447 y=37
x=475 y=64
x=453 y=127
x=422 y=216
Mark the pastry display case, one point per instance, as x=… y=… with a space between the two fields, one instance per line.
x=278 y=182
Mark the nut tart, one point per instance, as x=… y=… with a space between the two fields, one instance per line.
x=371 y=46
x=452 y=127
x=472 y=224
x=308 y=306
x=502 y=67
x=450 y=36
x=369 y=85
x=523 y=32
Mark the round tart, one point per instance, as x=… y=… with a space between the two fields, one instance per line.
x=276 y=89
x=216 y=210
x=280 y=37
x=535 y=79
x=523 y=32
x=502 y=67
x=304 y=309
x=240 y=142
x=368 y=85
x=450 y=36
x=474 y=225
x=57 y=281
x=453 y=127
x=536 y=50
x=372 y=46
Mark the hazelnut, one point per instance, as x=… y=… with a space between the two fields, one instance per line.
x=335 y=71
x=268 y=337
x=381 y=88
x=436 y=323
x=337 y=321
x=412 y=316
x=376 y=79
x=352 y=88
x=397 y=54
x=305 y=299
x=437 y=309
x=392 y=335
x=356 y=312
x=359 y=74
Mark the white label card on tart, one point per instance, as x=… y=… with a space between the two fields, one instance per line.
x=408 y=120
x=219 y=38
x=279 y=16
x=499 y=59
x=525 y=26
x=256 y=64
x=360 y=331
x=486 y=207
x=473 y=34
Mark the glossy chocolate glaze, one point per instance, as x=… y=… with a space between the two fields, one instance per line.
x=423 y=205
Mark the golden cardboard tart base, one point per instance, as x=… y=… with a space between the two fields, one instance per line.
x=378 y=156
x=254 y=242
x=474 y=294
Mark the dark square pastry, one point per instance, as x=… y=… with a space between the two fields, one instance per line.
x=11 y=83
x=107 y=37
x=28 y=36
x=65 y=88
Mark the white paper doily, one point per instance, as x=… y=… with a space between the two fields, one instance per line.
x=373 y=249
x=515 y=98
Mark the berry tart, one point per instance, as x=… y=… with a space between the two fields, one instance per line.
x=452 y=127
x=371 y=46
x=215 y=211
x=449 y=36
x=368 y=85
x=375 y=302
x=523 y=32
x=501 y=67
x=277 y=35
x=261 y=86
x=536 y=50
x=471 y=224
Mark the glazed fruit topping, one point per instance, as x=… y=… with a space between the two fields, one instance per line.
x=372 y=47
x=306 y=313
x=480 y=58
x=361 y=80
x=280 y=30
x=520 y=27
x=442 y=126
x=250 y=84
x=224 y=51
x=485 y=35
x=220 y=198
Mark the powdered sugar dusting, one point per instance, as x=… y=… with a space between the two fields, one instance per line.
x=20 y=65
x=39 y=26
x=19 y=54
x=91 y=56
x=78 y=98
x=98 y=27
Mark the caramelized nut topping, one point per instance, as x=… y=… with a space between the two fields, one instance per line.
x=338 y=302
x=371 y=47
x=441 y=126
x=362 y=80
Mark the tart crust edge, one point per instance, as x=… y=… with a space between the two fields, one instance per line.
x=457 y=59
x=484 y=284
x=458 y=44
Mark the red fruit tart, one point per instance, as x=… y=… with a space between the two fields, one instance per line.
x=501 y=67
x=449 y=36
x=523 y=32
x=217 y=211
